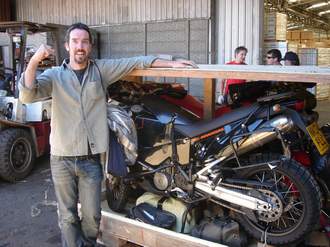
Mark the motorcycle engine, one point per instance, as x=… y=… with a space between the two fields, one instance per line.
x=162 y=180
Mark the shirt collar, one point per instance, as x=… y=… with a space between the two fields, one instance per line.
x=66 y=61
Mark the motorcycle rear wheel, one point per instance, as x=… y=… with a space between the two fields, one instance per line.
x=300 y=196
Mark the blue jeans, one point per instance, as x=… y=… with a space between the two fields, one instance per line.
x=78 y=179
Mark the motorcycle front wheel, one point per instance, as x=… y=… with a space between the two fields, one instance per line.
x=296 y=191
x=116 y=193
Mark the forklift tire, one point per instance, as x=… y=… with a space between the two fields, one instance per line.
x=17 y=154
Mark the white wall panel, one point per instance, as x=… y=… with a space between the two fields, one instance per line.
x=239 y=23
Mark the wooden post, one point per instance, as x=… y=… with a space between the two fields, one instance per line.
x=209 y=98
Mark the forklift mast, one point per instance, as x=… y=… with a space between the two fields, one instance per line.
x=18 y=32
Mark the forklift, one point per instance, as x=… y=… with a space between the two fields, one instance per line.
x=24 y=128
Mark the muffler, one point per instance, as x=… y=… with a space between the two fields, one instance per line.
x=266 y=133
x=234 y=197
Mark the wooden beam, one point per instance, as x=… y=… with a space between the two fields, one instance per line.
x=247 y=72
x=115 y=225
x=209 y=98
x=133 y=78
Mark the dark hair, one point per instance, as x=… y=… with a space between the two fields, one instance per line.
x=275 y=53
x=77 y=25
x=240 y=48
x=293 y=57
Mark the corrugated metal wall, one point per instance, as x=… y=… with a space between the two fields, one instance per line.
x=239 y=22
x=186 y=38
x=96 y=12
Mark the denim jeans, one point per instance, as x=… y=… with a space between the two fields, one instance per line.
x=77 y=179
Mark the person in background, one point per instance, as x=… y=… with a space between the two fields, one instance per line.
x=273 y=57
x=79 y=130
x=291 y=59
x=240 y=55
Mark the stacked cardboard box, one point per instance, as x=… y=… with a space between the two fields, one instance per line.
x=275 y=32
x=275 y=26
x=318 y=57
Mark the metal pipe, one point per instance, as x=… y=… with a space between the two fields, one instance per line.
x=235 y=197
x=259 y=138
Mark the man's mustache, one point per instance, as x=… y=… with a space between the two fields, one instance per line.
x=80 y=51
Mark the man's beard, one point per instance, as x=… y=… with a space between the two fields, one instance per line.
x=80 y=59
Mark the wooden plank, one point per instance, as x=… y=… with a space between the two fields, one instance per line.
x=115 y=225
x=133 y=78
x=209 y=95
x=248 y=72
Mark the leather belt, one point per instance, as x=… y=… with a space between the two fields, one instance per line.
x=82 y=157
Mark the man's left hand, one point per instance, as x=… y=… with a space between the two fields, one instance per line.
x=182 y=63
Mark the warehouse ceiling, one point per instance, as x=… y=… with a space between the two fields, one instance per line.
x=303 y=14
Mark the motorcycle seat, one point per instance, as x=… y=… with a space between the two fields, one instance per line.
x=199 y=128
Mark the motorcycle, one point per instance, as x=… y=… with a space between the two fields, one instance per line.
x=242 y=161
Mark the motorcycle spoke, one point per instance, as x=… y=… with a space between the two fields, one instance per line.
x=298 y=203
x=274 y=174
x=278 y=223
x=283 y=222
x=297 y=211
x=262 y=179
x=292 y=218
x=288 y=191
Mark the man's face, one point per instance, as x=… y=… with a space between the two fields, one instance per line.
x=270 y=60
x=288 y=62
x=240 y=57
x=79 y=47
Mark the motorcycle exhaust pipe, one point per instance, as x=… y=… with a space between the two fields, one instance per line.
x=261 y=137
x=234 y=197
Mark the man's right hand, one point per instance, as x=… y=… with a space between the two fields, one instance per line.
x=43 y=52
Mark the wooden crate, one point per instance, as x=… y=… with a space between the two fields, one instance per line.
x=295 y=35
x=294 y=46
x=289 y=35
x=275 y=26
x=306 y=35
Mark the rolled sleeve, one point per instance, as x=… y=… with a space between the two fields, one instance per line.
x=113 y=70
x=42 y=88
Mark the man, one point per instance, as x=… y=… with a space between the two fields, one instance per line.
x=79 y=132
x=273 y=57
x=291 y=59
x=240 y=55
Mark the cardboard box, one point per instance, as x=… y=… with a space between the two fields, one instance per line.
x=275 y=26
x=288 y=35
x=295 y=35
x=306 y=35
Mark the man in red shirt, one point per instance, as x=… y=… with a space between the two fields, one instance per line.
x=240 y=55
